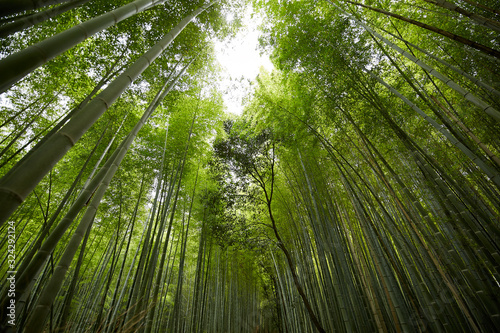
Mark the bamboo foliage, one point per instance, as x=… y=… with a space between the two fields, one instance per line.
x=46 y=298
x=488 y=109
x=23 y=62
x=34 y=19
x=70 y=133
x=10 y=7
x=474 y=17
x=357 y=192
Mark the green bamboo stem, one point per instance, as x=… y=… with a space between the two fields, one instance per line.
x=459 y=71
x=15 y=187
x=474 y=138
x=487 y=108
x=9 y=7
x=476 y=18
x=490 y=172
x=18 y=65
x=460 y=39
x=37 y=18
x=49 y=293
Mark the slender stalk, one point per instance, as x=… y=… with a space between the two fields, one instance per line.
x=15 y=186
x=34 y=19
x=460 y=39
x=18 y=65
x=9 y=7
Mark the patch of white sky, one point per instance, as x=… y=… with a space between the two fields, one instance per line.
x=241 y=61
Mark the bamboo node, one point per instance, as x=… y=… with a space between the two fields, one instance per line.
x=104 y=101
x=11 y=193
x=116 y=18
x=42 y=52
x=70 y=139
x=82 y=29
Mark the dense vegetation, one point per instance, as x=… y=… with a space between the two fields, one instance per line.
x=358 y=192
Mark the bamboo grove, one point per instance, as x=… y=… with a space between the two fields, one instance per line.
x=359 y=191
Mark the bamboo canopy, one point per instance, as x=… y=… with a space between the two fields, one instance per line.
x=358 y=191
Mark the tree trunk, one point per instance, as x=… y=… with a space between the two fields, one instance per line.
x=453 y=68
x=20 y=64
x=487 y=108
x=9 y=7
x=15 y=186
x=493 y=10
x=490 y=172
x=23 y=23
x=442 y=32
x=289 y=260
x=41 y=310
x=481 y=20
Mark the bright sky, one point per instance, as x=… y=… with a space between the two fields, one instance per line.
x=241 y=63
